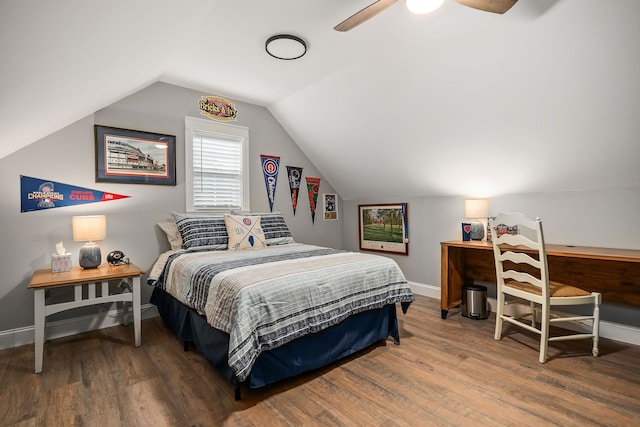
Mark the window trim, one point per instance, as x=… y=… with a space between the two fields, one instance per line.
x=225 y=131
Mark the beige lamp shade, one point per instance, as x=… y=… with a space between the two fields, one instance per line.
x=89 y=228
x=476 y=208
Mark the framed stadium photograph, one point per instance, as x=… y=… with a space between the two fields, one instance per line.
x=134 y=157
x=384 y=228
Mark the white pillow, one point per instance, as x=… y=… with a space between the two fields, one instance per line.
x=173 y=235
x=273 y=226
x=245 y=232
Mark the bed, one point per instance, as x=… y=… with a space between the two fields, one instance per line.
x=261 y=307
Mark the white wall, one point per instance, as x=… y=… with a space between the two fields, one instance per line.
x=67 y=156
x=589 y=218
x=596 y=218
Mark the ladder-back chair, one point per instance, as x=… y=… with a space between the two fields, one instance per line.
x=522 y=274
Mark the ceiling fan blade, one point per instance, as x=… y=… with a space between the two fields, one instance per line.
x=495 y=6
x=364 y=15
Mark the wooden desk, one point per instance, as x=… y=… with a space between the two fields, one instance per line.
x=79 y=278
x=615 y=273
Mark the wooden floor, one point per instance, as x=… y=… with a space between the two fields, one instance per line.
x=444 y=372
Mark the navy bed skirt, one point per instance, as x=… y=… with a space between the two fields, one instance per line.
x=304 y=354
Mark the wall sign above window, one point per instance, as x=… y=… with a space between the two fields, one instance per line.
x=217 y=108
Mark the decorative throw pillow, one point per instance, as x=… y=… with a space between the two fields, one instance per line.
x=202 y=232
x=173 y=235
x=503 y=229
x=244 y=232
x=274 y=227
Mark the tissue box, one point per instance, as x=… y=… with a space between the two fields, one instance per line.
x=60 y=263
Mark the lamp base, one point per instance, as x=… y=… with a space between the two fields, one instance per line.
x=90 y=256
x=477 y=231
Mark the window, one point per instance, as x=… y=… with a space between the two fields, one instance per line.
x=217 y=171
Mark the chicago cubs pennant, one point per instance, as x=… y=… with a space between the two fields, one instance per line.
x=295 y=175
x=38 y=194
x=313 y=185
x=270 y=166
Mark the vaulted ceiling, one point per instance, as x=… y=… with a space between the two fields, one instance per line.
x=403 y=105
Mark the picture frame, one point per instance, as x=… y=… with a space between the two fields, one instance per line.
x=128 y=156
x=330 y=207
x=384 y=228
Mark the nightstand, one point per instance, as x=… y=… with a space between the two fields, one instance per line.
x=80 y=279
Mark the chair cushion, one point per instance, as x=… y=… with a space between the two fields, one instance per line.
x=556 y=289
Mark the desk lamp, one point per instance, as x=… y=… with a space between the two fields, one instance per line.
x=476 y=209
x=89 y=229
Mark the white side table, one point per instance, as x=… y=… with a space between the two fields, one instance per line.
x=80 y=278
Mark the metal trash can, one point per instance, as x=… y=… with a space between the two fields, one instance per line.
x=474 y=301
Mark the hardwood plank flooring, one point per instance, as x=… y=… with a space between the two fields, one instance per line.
x=444 y=373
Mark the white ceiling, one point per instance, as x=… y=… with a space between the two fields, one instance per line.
x=403 y=105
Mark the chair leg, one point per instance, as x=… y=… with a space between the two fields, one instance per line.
x=596 y=327
x=544 y=333
x=499 y=314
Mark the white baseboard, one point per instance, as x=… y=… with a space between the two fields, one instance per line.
x=609 y=330
x=22 y=336
x=62 y=328
x=425 y=290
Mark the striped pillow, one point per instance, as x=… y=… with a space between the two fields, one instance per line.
x=274 y=227
x=202 y=232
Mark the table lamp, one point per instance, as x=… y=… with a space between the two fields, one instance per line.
x=476 y=209
x=89 y=229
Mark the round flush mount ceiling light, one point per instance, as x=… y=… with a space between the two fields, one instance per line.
x=285 y=46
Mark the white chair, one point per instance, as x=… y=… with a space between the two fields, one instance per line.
x=522 y=273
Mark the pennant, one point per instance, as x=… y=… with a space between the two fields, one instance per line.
x=313 y=185
x=38 y=194
x=403 y=206
x=295 y=175
x=270 y=167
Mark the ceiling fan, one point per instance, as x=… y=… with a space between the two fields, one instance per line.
x=495 y=6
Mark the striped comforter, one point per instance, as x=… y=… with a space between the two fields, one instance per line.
x=264 y=298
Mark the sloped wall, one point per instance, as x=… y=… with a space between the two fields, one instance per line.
x=67 y=156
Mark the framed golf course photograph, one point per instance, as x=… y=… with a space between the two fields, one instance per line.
x=383 y=228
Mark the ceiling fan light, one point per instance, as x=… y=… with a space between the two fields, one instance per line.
x=423 y=6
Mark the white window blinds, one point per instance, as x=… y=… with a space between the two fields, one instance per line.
x=216 y=166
